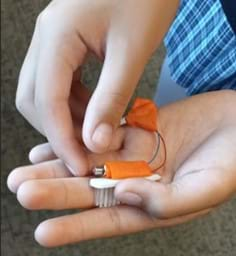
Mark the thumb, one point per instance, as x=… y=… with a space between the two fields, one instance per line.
x=189 y=193
x=119 y=77
x=148 y=195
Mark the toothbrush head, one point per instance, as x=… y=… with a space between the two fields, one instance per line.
x=104 y=190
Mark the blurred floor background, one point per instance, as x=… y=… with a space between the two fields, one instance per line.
x=212 y=235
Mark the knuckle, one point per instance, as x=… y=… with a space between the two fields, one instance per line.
x=48 y=102
x=24 y=94
x=114 y=216
x=81 y=227
x=39 y=102
x=65 y=193
x=42 y=103
x=159 y=211
x=117 y=100
x=38 y=19
x=44 y=18
x=21 y=104
x=160 y=208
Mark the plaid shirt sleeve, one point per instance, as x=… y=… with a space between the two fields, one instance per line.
x=201 y=47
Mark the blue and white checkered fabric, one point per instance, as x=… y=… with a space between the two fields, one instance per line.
x=201 y=47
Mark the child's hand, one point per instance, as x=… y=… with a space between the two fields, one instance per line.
x=49 y=186
x=122 y=33
x=199 y=174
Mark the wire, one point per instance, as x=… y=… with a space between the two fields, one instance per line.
x=160 y=139
x=165 y=153
x=157 y=148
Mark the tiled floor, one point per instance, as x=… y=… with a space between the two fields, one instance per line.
x=212 y=235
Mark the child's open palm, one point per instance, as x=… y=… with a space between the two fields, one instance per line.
x=200 y=135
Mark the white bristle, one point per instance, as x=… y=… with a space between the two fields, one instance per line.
x=101 y=197
x=113 y=203
x=110 y=196
x=105 y=197
x=97 y=192
x=96 y=195
x=104 y=190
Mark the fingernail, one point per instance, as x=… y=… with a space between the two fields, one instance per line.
x=102 y=135
x=129 y=198
x=70 y=169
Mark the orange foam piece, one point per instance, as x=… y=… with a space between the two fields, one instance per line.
x=143 y=114
x=127 y=169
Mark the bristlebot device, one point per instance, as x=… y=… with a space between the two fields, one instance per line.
x=143 y=115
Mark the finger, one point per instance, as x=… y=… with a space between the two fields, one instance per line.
x=58 y=60
x=101 y=223
x=44 y=152
x=77 y=109
x=26 y=84
x=193 y=192
x=118 y=79
x=79 y=99
x=46 y=170
x=41 y=153
x=56 y=194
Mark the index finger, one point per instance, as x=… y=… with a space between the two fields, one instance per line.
x=57 y=62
